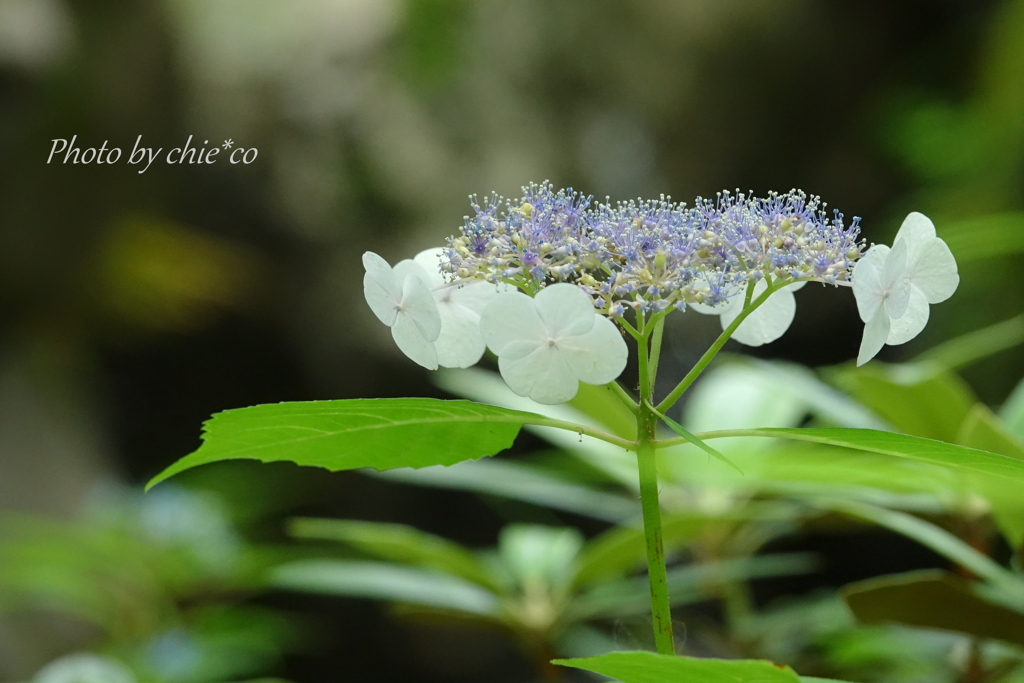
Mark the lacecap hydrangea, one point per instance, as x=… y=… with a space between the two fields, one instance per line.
x=591 y=266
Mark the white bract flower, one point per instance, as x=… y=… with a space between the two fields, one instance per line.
x=404 y=303
x=460 y=343
x=894 y=287
x=547 y=345
x=766 y=324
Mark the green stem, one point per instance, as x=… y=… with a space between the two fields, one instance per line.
x=710 y=354
x=646 y=422
x=659 y=332
x=541 y=421
x=626 y=399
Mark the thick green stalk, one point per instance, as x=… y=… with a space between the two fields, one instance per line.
x=646 y=422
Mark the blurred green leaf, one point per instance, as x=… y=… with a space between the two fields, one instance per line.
x=917 y=399
x=971 y=347
x=520 y=482
x=693 y=439
x=985 y=236
x=599 y=403
x=933 y=599
x=949 y=455
x=399 y=543
x=350 y=434
x=489 y=387
x=539 y=554
x=982 y=429
x=939 y=540
x=620 y=550
x=687 y=584
x=383 y=581
x=648 y=667
x=1012 y=412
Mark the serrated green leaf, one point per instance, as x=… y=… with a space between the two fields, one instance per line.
x=933 y=599
x=399 y=543
x=383 y=581
x=352 y=434
x=648 y=667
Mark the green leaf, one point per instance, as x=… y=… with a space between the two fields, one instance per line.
x=687 y=584
x=987 y=236
x=520 y=482
x=383 y=581
x=620 y=550
x=982 y=429
x=399 y=543
x=974 y=346
x=692 y=438
x=959 y=458
x=648 y=667
x=346 y=435
x=939 y=540
x=1012 y=412
x=918 y=399
x=600 y=404
x=933 y=599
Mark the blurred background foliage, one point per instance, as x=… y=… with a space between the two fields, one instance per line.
x=132 y=306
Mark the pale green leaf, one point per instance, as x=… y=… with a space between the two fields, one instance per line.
x=958 y=458
x=399 y=543
x=520 y=482
x=382 y=581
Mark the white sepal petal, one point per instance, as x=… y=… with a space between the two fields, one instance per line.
x=867 y=282
x=419 y=305
x=934 y=271
x=382 y=289
x=875 y=334
x=766 y=324
x=916 y=229
x=599 y=356
x=543 y=375
x=460 y=344
x=896 y=280
x=412 y=343
x=565 y=310
x=511 y=326
x=910 y=324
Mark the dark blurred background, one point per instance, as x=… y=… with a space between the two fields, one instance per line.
x=132 y=306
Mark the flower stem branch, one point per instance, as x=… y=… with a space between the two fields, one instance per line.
x=710 y=354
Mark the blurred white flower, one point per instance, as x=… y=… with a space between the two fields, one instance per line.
x=404 y=303
x=84 y=668
x=894 y=287
x=769 y=322
x=460 y=343
x=548 y=344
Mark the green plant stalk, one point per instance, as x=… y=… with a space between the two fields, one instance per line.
x=710 y=354
x=646 y=424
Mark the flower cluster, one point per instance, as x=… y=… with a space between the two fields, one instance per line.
x=652 y=255
x=581 y=265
